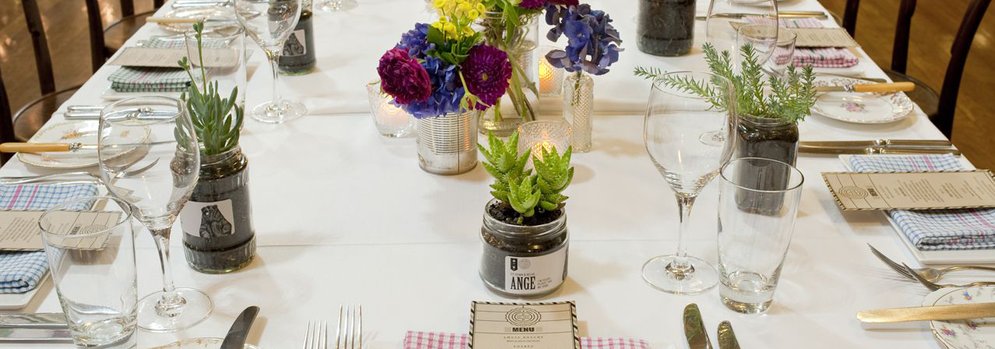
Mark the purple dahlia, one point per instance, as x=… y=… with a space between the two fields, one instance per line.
x=487 y=71
x=403 y=77
x=564 y=2
x=532 y=4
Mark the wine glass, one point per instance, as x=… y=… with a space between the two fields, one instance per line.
x=337 y=5
x=149 y=158
x=679 y=133
x=725 y=17
x=269 y=23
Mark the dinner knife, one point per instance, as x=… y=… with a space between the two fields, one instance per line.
x=694 y=328
x=235 y=339
x=877 y=150
x=780 y=14
x=870 y=88
x=868 y=143
x=727 y=338
x=936 y=312
x=33 y=320
x=47 y=335
x=27 y=147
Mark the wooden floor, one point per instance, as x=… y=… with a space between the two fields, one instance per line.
x=933 y=29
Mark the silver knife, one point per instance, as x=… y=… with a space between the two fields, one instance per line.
x=33 y=320
x=727 y=338
x=877 y=150
x=21 y=335
x=780 y=14
x=872 y=142
x=694 y=328
x=936 y=312
x=235 y=339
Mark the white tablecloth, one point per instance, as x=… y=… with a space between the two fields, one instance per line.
x=345 y=217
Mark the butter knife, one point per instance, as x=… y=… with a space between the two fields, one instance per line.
x=887 y=87
x=867 y=143
x=780 y=14
x=877 y=150
x=694 y=328
x=727 y=338
x=33 y=320
x=235 y=339
x=936 y=312
x=24 y=335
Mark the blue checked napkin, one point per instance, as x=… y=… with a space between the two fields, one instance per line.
x=934 y=230
x=22 y=271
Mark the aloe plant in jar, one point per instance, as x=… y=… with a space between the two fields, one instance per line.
x=218 y=236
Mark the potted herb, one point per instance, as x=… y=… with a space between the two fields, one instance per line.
x=768 y=109
x=218 y=235
x=525 y=224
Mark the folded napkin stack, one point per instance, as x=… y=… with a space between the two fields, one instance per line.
x=442 y=340
x=146 y=79
x=933 y=230
x=22 y=271
x=822 y=57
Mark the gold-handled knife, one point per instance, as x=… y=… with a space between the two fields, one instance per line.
x=694 y=328
x=936 y=312
x=780 y=14
x=727 y=338
x=870 y=88
x=28 y=147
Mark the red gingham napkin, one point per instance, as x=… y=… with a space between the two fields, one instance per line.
x=442 y=340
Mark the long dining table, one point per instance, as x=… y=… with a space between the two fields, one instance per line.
x=345 y=217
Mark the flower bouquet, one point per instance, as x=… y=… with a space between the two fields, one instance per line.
x=443 y=74
x=592 y=46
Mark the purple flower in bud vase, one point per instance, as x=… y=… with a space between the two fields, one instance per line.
x=415 y=41
x=532 y=4
x=592 y=42
x=403 y=77
x=487 y=71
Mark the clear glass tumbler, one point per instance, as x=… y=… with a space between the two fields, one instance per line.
x=91 y=253
x=784 y=53
x=758 y=201
x=391 y=121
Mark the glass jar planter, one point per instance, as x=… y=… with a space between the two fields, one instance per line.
x=218 y=236
x=523 y=260
x=771 y=138
x=519 y=104
x=447 y=144
x=666 y=27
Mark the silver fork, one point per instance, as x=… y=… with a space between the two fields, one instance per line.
x=929 y=274
x=317 y=335
x=349 y=334
x=932 y=286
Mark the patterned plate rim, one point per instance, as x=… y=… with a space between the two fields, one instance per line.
x=25 y=158
x=898 y=100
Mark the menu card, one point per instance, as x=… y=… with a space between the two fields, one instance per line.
x=524 y=326
x=19 y=230
x=823 y=37
x=912 y=191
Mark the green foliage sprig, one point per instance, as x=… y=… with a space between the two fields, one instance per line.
x=527 y=193
x=790 y=98
x=216 y=120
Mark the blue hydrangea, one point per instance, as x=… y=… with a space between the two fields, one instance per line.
x=447 y=90
x=592 y=42
x=416 y=41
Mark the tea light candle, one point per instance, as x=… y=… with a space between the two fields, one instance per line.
x=390 y=120
x=550 y=78
x=534 y=136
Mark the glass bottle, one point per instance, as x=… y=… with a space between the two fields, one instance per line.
x=578 y=109
x=298 y=52
x=666 y=27
x=218 y=236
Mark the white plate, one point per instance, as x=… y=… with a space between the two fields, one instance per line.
x=860 y=108
x=14 y=301
x=85 y=132
x=199 y=343
x=225 y=15
x=969 y=334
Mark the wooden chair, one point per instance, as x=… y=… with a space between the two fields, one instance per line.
x=939 y=106
x=33 y=115
x=6 y=123
x=111 y=38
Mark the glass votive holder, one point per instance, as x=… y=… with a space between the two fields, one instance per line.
x=534 y=136
x=550 y=79
x=390 y=120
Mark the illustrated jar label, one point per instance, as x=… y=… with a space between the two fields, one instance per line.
x=295 y=45
x=530 y=275
x=208 y=220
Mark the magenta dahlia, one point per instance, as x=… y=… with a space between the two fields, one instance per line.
x=487 y=71
x=532 y=4
x=565 y=2
x=402 y=77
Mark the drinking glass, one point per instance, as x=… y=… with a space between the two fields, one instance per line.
x=269 y=23
x=223 y=62
x=149 y=157
x=337 y=5
x=726 y=16
x=90 y=246
x=758 y=201
x=763 y=38
x=680 y=132
x=391 y=121
x=784 y=53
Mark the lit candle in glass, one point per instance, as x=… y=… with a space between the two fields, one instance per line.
x=550 y=78
x=534 y=136
x=390 y=120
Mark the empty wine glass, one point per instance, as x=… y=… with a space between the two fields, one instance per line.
x=269 y=23
x=725 y=17
x=149 y=158
x=679 y=133
x=337 y=5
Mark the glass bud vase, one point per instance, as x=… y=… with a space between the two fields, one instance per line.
x=218 y=236
x=447 y=144
x=578 y=109
x=520 y=103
